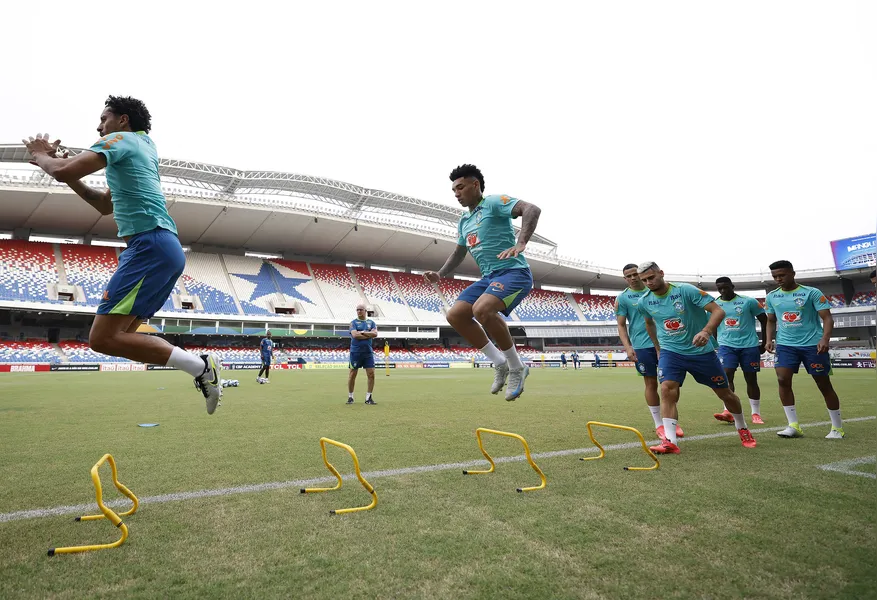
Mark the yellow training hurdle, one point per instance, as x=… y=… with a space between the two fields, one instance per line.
x=106 y=512
x=492 y=468
x=368 y=487
x=642 y=440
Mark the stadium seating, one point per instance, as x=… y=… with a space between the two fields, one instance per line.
x=89 y=267
x=26 y=270
x=79 y=352
x=295 y=282
x=28 y=352
x=543 y=305
x=320 y=355
x=338 y=289
x=864 y=299
x=420 y=294
x=596 y=308
x=451 y=288
x=836 y=301
x=469 y=353
x=380 y=288
x=438 y=353
x=168 y=305
x=204 y=276
x=229 y=354
x=253 y=282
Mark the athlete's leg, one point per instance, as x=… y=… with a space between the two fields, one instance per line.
x=752 y=389
x=268 y=369
x=669 y=400
x=823 y=382
x=729 y=373
x=731 y=400
x=486 y=311
x=351 y=380
x=116 y=335
x=370 y=374
x=784 y=380
x=461 y=318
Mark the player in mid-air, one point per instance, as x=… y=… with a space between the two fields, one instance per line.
x=676 y=319
x=795 y=333
x=362 y=356
x=638 y=344
x=266 y=350
x=153 y=260
x=739 y=345
x=486 y=232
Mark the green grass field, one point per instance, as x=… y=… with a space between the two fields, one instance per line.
x=717 y=521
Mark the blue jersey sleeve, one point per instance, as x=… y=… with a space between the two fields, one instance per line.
x=697 y=296
x=500 y=206
x=620 y=306
x=461 y=241
x=116 y=146
x=755 y=307
x=820 y=302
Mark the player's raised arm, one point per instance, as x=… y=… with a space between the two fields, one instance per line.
x=454 y=260
x=717 y=313
x=530 y=217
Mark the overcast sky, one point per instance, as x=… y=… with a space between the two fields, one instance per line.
x=711 y=137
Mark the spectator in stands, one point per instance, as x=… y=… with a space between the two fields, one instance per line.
x=154 y=259
x=362 y=356
x=486 y=231
x=266 y=349
x=795 y=333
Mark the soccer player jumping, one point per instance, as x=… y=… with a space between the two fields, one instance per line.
x=796 y=335
x=684 y=335
x=738 y=344
x=153 y=261
x=487 y=233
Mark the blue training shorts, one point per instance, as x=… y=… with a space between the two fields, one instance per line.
x=509 y=285
x=266 y=359
x=791 y=357
x=705 y=368
x=148 y=270
x=646 y=361
x=362 y=360
x=748 y=359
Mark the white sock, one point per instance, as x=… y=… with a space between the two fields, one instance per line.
x=739 y=421
x=350 y=395
x=791 y=414
x=756 y=406
x=368 y=395
x=670 y=429
x=656 y=415
x=836 y=421
x=185 y=361
x=494 y=354
x=513 y=359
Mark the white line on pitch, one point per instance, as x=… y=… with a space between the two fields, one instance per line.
x=846 y=466
x=298 y=483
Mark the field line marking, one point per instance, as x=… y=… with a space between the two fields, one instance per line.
x=299 y=483
x=846 y=466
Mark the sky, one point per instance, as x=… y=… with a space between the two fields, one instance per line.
x=710 y=137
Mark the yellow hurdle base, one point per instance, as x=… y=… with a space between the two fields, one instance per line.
x=368 y=487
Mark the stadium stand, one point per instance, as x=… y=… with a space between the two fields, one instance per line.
x=168 y=305
x=438 y=353
x=253 y=282
x=89 y=267
x=229 y=354
x=596 y=308
x=469 y=353
x=320 y=355
x=836 y=301
x=79 y=352
x=544 y=305
x=28 y=352
x=204 y=277
x=295 y=282
x=26 y=270
x=338 y=289
x=451 y=289
x=379 y=288
x=864 y=299
x=420 y=294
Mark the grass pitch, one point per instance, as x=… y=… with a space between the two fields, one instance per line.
x=717 y=521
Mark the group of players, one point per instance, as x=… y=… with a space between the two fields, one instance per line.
x=666 y=328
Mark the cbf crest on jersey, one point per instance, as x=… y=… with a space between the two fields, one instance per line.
x=738 y=310
x=799 y=302
x=478 y=216
x=680 y=308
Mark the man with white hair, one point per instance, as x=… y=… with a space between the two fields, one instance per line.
x=684 y=335
x=362 y=356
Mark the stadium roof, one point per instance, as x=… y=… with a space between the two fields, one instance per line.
x=228 y=210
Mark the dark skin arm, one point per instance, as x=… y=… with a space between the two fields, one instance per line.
x=530 y=217
x=769 y=343
x=454 y=261
x=762 y=318
x=827 y=328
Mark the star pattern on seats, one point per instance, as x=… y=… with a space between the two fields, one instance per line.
x=265 y=285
